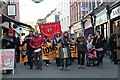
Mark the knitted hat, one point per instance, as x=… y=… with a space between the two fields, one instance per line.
x=10 y=30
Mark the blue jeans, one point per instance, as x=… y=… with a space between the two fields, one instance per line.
x=30 y=57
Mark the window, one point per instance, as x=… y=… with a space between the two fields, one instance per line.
x=98 y=3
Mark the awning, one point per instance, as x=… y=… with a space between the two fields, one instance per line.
x=8 y=19
x=5 y=25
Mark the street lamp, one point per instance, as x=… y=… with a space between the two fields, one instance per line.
x=37 y=1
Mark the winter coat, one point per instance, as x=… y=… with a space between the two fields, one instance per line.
x=112 y=42
x=81 y=47
x=98 y=42
x=27 y=40
x=36 y=43
x=8 y=44
x=64 y=44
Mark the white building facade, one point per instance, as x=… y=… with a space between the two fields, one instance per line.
x=51 y=17
x=63 y=10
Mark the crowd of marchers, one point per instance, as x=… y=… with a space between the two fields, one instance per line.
x=90 y=48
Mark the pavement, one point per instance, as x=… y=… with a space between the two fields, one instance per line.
x=109 y=70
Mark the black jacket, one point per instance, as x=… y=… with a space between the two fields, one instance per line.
x=8 y=44
x=98 y=42
x=112 y=42
x=81 y=47
x=27 y=40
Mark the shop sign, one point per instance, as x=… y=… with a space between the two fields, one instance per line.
x=115 y=13
x=101 y=17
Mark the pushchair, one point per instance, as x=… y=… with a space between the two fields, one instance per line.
x=91 y=57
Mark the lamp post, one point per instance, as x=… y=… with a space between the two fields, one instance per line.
x=93 y=20
x=83 y=25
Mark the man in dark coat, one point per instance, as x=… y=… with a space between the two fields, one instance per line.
x=113 y=47
x=98 y=42
x=29 y=48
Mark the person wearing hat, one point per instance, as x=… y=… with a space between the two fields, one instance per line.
x=36 y=43
x=9 y=42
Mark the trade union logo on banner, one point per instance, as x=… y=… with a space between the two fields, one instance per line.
x=50 y=29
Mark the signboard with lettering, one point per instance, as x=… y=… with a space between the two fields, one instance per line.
x=101 y=17
x=115 y=12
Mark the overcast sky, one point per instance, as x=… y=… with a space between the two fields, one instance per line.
x=30 y=11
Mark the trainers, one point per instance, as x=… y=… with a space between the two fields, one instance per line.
x=79 y=66
x=61 y=68
x=47 y=65
x=83 y=66
x=67 y=68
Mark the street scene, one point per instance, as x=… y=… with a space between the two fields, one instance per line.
x=59 y=39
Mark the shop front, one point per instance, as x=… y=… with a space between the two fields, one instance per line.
x=88 y=27
x=76 y=28
x=102 y=23
x=115 y=27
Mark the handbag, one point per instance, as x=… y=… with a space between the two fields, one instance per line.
x=65 y=53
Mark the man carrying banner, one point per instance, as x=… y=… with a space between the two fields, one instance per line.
x=36 y=44
x=29 y=48
x=46 y=41
x=56 y=40
x=73 y=48
x=64 y=52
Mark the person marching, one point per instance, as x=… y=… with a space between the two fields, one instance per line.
x=36 y=43
x=82 y=48
x=56 y=40
x=64 y=52
x=98 y=42
x=29 y=48
x=46 y=41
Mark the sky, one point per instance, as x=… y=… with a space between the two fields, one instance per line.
x=31 y=12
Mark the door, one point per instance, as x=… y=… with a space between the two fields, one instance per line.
x=117 y=31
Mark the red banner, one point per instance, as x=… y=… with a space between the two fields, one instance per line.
x=49 y=29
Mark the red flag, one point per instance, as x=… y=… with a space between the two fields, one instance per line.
x=49 y=29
